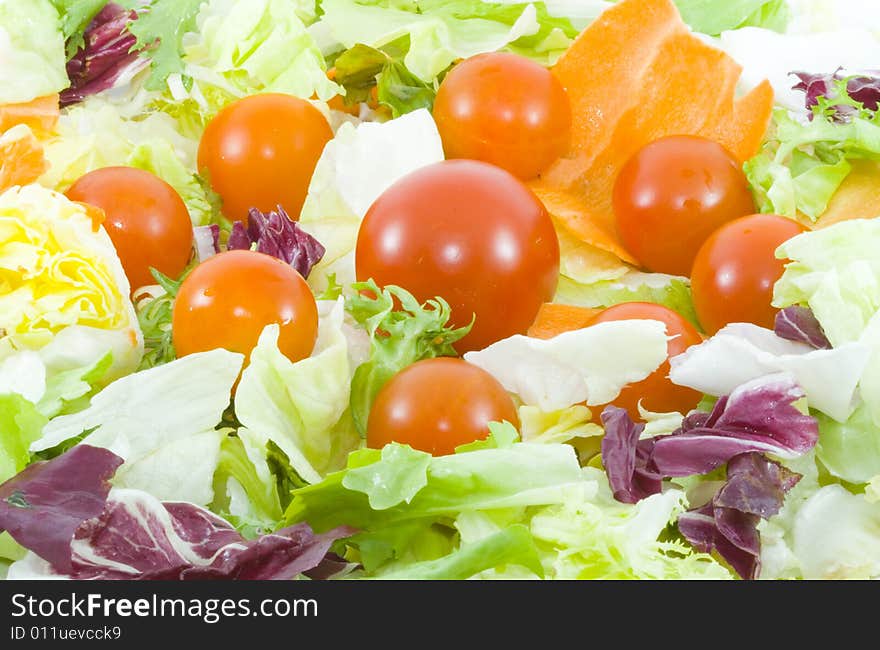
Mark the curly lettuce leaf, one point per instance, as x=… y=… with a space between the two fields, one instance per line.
x=400 y=336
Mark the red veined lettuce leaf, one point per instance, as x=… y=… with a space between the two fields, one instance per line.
x=66 y=513
x=104 y=56
x=42 y=506
x=276 y=234
x=799 y=324
x=757 y=416
x=626 y=458
x=728 y=524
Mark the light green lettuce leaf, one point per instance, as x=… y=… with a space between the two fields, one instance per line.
x=850 y=450
x=715 y=16
x=512 y=545
x=835 y=535
x=68 y=391
x=301 y=406
x=836 y=272
x=605 y=539
x=803 y=163
x=441 y=32
x=31 y=51
x=520 y=475
x=239 y=49
x=670 y=291
x=398 y=476
x=21 y=424
x=163 y=422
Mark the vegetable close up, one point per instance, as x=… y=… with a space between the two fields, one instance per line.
x=367 y=289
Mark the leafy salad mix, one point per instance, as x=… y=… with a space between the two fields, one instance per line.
x=423 y=289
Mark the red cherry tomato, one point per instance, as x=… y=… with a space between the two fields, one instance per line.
x=470 y=233
x=504 y=109
x=261 y=151
x=436 y=405
x=228 y=299
x=734 y=272
x=656 y=392
x=146 y=219
x=674 y=193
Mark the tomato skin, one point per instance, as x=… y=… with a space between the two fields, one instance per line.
x=436 y=405
x=656 y=391
x=470 y=233
x=261 y=151
x=504 y=109
x=672 y=194
x=734 y=272
x=228 y=299
x=146 y=220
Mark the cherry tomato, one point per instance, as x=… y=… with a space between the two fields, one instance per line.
x=470 y=233
x=261 y=151
x=146 y=220
x=674 y=193
x=228 y=299
x=436 y=405
x=734 y=272
x=504 y=109
x=656 y=392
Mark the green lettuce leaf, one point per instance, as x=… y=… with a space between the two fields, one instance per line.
x=802 y=165
x=399 y=337
x=301 y=406
x=667 y=290
x=68 y=391
x=21 y=423
x=512 y=545
x=715 y=16
x=442 y=32
x=32 y=51
x=850 y=450
x=159 y=33
x=239 y=49
x=516 y=476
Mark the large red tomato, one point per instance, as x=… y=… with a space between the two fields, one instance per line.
x=470 y=233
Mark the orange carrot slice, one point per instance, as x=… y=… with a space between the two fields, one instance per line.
x=554 y=319
x=40 y=114
x=21 y=157
x=857 y=198
x=635 y=75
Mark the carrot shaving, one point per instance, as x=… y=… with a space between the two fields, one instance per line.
x=554 y=319
x=635 y=75
x=857 y=198
x=40 y=115
x=21 y=157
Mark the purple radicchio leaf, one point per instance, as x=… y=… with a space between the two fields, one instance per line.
x=755 y=489
x=626 y=458
x=862 y=89
x=138 y=537
x=801 y=325
x=64 y=511
x=757 y=416
x=105 y=56
x=43 y=505
x=276 y=234
x=206 y=240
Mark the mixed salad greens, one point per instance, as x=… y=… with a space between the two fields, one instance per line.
x=423 y=289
